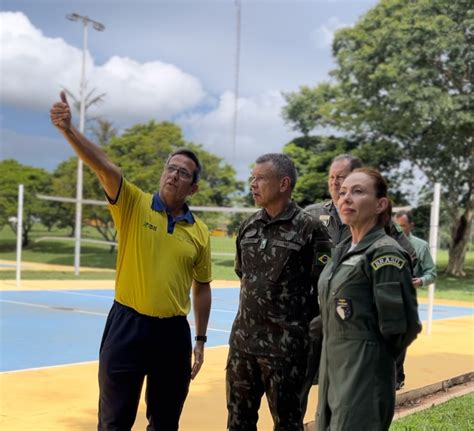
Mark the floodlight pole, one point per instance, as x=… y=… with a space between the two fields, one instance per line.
x=77 y=230
x=236 y=75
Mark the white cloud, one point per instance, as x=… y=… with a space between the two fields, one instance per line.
x=324 y=34
x=141 y=91
x=260 y=129
x=35 y=67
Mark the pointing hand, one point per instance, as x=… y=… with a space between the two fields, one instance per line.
x=61 y=114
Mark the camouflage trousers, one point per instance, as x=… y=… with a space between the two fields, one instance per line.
x=248 y=377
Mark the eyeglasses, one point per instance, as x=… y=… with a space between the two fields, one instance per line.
x=182 y=173
x=258 y=178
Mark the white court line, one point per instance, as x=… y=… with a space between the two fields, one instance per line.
x=47 y=367
x=223 y=311
x=52 y=308
x=69 y=292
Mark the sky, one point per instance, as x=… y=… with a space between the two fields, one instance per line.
x=160 y=60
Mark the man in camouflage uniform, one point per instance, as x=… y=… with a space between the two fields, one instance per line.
x=281 y=251
x=327 y=213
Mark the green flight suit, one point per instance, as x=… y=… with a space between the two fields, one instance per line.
x=369 y=314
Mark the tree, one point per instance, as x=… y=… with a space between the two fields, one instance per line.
x=404 y=78
x=142 y=151
x=35 y=180
x=90 y=99
x=406 y=68
x=64 y=184
x=303 y=109
x=103 y=131
x=313 y=155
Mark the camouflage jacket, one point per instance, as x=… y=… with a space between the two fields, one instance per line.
x=326 y=212
x=278 y=261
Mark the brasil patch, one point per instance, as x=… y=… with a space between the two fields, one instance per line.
x=387 y=260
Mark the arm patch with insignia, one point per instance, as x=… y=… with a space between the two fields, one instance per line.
x=322 y=258
x=387 y=260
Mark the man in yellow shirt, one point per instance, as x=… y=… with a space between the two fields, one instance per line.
x=163 y=251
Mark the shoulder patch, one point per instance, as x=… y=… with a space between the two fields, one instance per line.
x=325 y=219
x=387 y=260
x=322 y=258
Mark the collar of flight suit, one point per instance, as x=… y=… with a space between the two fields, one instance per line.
x=340 y=251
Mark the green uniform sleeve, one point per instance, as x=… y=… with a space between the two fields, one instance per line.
x=427 y=267
x=321 y=244
x=395 y=297
x=397 y=234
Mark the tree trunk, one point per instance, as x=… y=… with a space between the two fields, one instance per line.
x=25 y=239
x=460 y=234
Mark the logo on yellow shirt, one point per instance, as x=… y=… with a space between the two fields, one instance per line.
x=150 y=226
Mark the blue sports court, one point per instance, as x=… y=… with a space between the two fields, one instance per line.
x=58 y=327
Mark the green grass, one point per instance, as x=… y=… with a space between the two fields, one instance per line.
x=456 y=414
x=223 y=249
x=58 y=275
x=95 y=256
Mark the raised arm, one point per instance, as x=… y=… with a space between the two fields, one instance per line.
x=91 y=154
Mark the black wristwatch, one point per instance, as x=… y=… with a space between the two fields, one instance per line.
x=202 y=338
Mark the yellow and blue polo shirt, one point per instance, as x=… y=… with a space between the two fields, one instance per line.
x=158 y=256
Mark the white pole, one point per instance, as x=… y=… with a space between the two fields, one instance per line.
x=19 y=235
x=78 y=225
x=236 y=76
x=434 y=228
x=99 y=27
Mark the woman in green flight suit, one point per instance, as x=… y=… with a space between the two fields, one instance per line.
x=369 y=312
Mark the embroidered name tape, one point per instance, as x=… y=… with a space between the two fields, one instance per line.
x=387 y=260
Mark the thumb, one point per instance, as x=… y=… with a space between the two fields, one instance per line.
x=63 y=97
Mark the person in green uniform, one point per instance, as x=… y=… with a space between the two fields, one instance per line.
x=369 y=312
x=424 y=273
x=328 y=213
